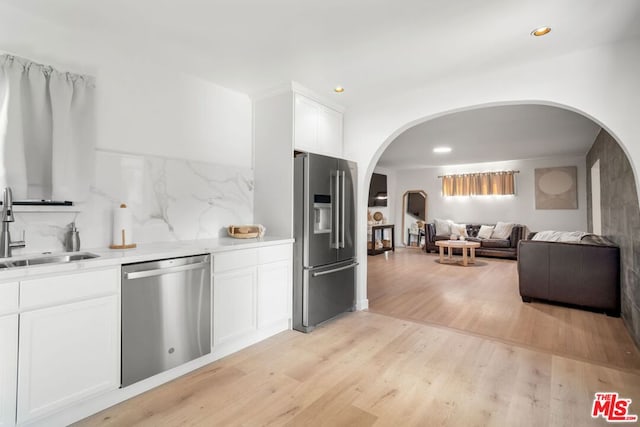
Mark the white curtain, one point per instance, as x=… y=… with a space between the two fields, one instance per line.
x=47 y=131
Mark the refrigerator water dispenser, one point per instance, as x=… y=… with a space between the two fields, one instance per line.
x=321 y=214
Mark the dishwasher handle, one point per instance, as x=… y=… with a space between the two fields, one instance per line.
x=167 y=270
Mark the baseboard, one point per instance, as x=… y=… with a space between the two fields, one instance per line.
x=80 y=410
x=227 y=348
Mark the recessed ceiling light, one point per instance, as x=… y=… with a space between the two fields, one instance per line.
x=338 y=89
x=541 y=31
x=442 y=150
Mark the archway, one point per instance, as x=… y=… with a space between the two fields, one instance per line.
x=630 y=288
x=381 y=148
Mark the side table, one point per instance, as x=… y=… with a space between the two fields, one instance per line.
x=380 y=229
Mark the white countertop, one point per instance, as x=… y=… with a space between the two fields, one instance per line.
x=144 y=252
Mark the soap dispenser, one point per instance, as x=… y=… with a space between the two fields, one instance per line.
x=73 y=239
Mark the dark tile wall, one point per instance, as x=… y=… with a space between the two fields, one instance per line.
x=620 y=220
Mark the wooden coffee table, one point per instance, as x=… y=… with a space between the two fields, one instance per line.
x=462 y=244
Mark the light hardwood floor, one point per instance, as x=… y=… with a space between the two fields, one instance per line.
x=368 y=368
x=483 y=299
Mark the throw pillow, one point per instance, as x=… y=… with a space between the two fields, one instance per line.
x=502 y=230
x=459 y=230
x=443 y=227
x=485 y=232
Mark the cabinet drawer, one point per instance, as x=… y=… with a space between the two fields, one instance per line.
x=8 y=298
x=274 y=253
x=69 y=287
x=232 y=260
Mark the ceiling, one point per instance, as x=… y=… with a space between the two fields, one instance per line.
x=371 y=47
x=374 y=48
x=492 y=134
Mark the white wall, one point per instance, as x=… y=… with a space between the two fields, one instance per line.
x=601 y=83
x=150 y=109
x=146 y=103
x=490 y=209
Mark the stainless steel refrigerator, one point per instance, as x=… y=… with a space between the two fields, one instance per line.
x=325 y=237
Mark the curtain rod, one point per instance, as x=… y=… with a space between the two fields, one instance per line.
x=27 y=62
x=475 y=173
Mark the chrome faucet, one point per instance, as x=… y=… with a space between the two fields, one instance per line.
x=7 y=216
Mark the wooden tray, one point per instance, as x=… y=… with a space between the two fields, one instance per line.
x=243 y=231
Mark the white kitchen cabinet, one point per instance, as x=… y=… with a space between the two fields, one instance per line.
x=8 y=367
x=274 y=293
x=317 y=128
x=288 y=119
x=67 y=353
x=251 y=296
x=49 y=291
x=69 y=340
x=330 y=138
x=234 y=304
x=8 y=298
x=8 y=352
x=305 y=133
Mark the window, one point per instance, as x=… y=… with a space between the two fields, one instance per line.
x=479 y=184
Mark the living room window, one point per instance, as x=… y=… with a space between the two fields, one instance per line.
x=479 y=184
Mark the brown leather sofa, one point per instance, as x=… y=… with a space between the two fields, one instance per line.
x=502 y=248
x=585 y=273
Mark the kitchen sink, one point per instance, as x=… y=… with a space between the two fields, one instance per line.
x=46 y=259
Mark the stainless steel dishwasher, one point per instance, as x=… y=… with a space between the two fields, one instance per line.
x=166 y=315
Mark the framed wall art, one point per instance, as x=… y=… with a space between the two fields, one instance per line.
x=557 y=188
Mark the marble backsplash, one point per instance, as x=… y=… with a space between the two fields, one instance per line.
x=171 y=199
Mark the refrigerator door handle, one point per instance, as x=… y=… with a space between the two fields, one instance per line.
x=335 y=270
x=342 y=204
x=336 y=195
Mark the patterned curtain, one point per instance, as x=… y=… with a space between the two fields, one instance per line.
x=479 y=184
